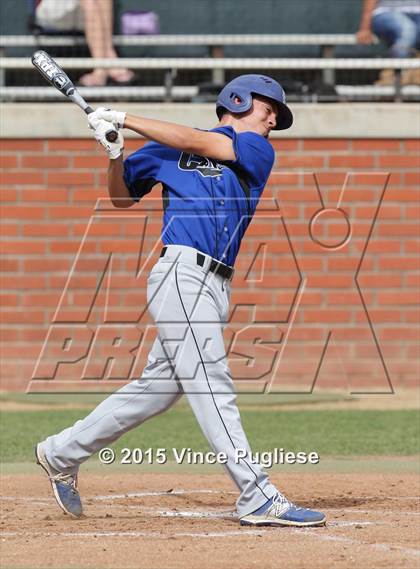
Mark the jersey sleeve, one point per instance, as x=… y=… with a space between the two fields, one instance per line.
x=141 y=171
x=254 y=155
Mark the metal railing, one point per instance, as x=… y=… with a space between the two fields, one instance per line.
x=209 y=40
x=225 y=63
x=217 y=64
x=214 y=42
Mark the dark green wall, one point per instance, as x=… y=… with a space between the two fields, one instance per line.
x=252 y=16
x=224 y=16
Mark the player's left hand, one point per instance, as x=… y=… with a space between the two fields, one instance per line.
x=117 y=118
x=100 y=128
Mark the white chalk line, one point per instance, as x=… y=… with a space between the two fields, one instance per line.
x=16 y=499
x=344 y=524
x=217 y=514
x=210 y=514
x=167 y=493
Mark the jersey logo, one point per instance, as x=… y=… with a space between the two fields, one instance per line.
x=205 y=166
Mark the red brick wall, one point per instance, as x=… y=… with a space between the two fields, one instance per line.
x=300 y=319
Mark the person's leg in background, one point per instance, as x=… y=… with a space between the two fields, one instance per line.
x=397 y=30
x=412 y=76
x=401 y=32
x=53 y=16
x=98 y=23
x=415 y=18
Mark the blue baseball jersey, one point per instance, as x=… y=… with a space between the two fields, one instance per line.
x=208 y=204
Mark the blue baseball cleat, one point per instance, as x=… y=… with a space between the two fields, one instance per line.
x=64 y=485
x=278 y=511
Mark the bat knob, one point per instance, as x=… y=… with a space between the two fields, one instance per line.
x=111 y=135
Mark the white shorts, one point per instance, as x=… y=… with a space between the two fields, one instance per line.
x=60 y=15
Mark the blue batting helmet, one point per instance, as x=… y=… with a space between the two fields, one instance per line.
x=243 y=87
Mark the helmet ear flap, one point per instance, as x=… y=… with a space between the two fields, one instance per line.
x=243 y=104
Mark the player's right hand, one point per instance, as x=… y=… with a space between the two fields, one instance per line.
x=116 y=117
x=100 y=128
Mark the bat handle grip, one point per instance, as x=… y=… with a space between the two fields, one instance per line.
x=111 y=135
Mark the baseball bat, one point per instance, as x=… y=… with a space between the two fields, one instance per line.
x=53 y=73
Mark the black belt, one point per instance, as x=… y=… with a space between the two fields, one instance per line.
x=216 y=266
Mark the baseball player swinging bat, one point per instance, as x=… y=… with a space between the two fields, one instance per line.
x=53 y=73
x=207 y=176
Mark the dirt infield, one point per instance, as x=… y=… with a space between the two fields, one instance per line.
x=168 y=521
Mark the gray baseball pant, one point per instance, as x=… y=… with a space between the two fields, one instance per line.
x=190 y=307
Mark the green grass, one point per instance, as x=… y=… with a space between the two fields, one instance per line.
x=327 y=432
